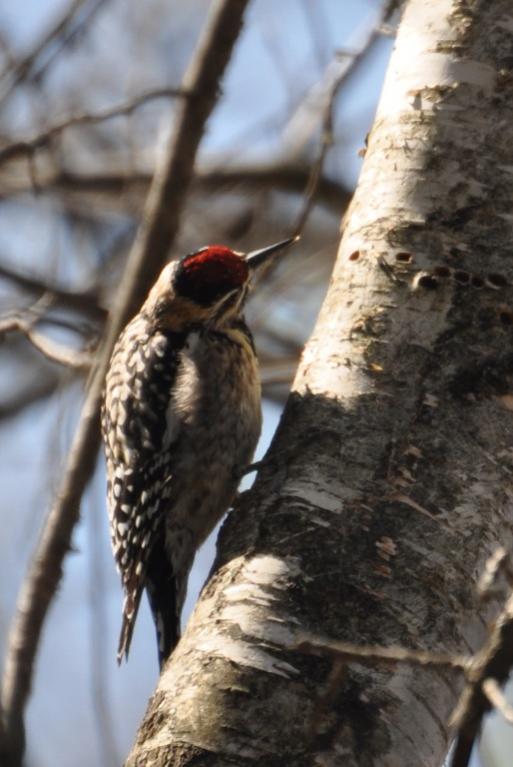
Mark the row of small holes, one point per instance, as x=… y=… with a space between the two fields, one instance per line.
x=460 y=276
x=431 y=280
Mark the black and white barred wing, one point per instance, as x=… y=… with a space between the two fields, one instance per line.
x=139 y=459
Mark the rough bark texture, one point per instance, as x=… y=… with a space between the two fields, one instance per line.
x=388 y=482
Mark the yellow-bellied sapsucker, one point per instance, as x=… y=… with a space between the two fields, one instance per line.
x=180 y=422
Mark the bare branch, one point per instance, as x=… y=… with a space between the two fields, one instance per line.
x=485 y=672
x=387 y=655
x=344 y=66
x=498 y=563
x=288 y=177
x=149 y=252
x=497 y=699
x=85 y=301
x=28 y=146
x=50 y=349
x=493 y=662
x=64 y=30
x=326 y=142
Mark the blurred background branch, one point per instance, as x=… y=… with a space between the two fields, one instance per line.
x=62 y=32
x=29 y=146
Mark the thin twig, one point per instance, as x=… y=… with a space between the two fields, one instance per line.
x=499 y=562
x=25 y=323
x=497 y=699
x=344 y=65
x=326 y=142
x=494 y=661
x=28 y=146
x=64 y=29
x=388 y=655
x=149 y=252
x=85 y=301
x=53 y=351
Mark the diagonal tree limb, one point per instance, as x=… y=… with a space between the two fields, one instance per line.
x=149 y=252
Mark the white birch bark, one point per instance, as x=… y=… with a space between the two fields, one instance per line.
x=389 y=480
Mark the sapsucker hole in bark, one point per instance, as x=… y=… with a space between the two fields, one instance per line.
x=403 y=257
x=496 y=280
x=427 y=281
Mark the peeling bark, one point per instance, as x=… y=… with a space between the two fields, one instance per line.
x=388 y=483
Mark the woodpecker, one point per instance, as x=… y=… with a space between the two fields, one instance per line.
x=181 y=417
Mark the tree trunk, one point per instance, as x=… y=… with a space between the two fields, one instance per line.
x=388 y=483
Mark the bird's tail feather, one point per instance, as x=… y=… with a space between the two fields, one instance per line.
x=130 y=609
x=161 y=587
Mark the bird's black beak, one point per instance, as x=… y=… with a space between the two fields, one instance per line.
x=258 y=258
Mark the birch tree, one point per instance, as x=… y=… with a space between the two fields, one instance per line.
x=387 y=485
